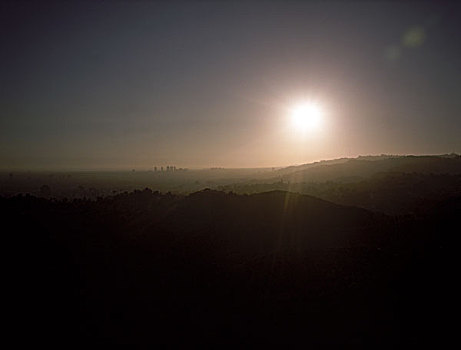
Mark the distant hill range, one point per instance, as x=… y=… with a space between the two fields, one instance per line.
x=349 y=169
x=389 y=184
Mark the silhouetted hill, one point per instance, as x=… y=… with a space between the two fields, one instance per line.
x=265 y=222
x=389 y=192
x=146 y=268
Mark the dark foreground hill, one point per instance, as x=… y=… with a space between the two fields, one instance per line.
x=389 y=193
x=216 y=268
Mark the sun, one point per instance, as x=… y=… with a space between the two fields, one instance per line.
x=306 y=117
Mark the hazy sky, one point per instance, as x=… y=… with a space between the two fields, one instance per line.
x=194 y=84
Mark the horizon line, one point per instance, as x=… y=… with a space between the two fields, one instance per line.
x=212 y=167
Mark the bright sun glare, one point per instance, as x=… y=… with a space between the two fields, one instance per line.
x=306 y=117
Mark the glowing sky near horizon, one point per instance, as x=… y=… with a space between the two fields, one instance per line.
x=130 y=85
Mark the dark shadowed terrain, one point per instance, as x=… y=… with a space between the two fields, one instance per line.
x=213 y=267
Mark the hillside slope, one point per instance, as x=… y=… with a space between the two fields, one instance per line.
x=146 y=268
x=362 y=168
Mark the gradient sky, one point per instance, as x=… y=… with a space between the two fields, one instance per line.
x=130 y=85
